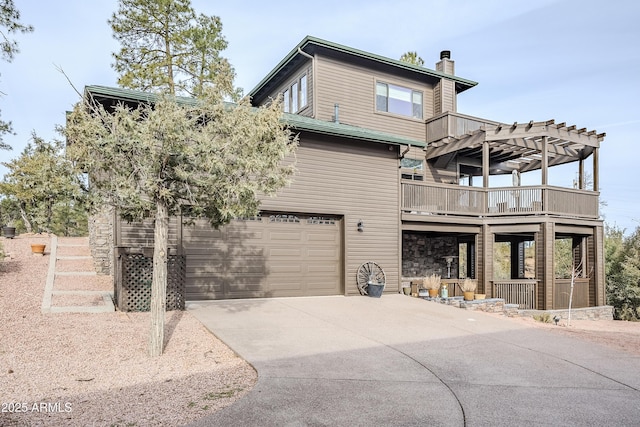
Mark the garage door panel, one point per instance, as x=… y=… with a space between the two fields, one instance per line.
x=328 y=236
x=285 y=253
x=277 y=255
x=324 y=254
x=278 y=236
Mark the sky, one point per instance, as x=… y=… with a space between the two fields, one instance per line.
x=574 y=61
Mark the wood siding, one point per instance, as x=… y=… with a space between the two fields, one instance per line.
x=140 y=234
x=358 y=182
x=444 y=98
x=353 y=88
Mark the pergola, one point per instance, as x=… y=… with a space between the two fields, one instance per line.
x=497 y=148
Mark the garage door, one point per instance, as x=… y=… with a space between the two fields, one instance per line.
x=272 y=255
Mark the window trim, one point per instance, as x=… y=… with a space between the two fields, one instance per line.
x=295 y=93
x=412 y=95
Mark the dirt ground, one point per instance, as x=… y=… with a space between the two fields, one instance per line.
x=613 y=333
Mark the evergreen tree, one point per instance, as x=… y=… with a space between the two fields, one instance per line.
x=42 y=184
x=412 y=57
x=9 y=25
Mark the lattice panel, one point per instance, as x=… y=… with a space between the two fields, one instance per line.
x=134 y=289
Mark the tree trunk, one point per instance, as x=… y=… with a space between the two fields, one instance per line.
x=159 y=281
x=25 y=219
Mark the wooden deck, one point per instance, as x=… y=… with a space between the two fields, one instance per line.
x=425 y=198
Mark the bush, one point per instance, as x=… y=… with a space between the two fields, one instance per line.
x=622 y=270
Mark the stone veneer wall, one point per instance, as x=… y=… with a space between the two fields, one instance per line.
x=423 y=254
x=101 y=240
x=602 y=312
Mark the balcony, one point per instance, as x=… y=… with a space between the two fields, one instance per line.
x=441 y=199
x=454 y=125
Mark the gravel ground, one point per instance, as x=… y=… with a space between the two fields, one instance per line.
x=93 y=369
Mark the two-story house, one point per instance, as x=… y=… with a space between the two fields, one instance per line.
x=388 y=171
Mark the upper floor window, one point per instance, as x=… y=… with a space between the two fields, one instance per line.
x=295 y=96
x=398 y=100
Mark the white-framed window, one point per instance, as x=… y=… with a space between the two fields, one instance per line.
x=287 y=101
x=296 y=95
x=303 y=91
x=398 y=100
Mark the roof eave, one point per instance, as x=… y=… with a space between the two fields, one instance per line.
x=461 y=84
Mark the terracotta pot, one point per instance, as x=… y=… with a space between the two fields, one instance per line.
x=468 y=296
x=37 y=248
x=480 y=296
x=433 y=293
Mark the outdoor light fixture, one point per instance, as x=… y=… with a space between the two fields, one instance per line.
x=449 y=260
x=360 y=225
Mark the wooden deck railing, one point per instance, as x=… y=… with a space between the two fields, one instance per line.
x=453 y=124
x=521 y=292
x=427 y=198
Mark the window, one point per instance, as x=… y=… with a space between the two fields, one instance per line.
x=287 y=99
x=303 y=91
x=295 y=96
x=398 y=100
x=416 y=164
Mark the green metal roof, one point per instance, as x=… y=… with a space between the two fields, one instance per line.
x=295 y=122
x=308 y=41
x=302 y=123
x=130 y=95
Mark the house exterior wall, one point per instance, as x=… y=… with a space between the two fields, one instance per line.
x=357 y=181
x=353 y=88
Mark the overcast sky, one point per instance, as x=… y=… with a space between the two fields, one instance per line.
x=575 y=61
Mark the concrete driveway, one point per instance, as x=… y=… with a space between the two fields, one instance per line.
x=396 y=360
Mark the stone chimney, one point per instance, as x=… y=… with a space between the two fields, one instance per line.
x=445 y=65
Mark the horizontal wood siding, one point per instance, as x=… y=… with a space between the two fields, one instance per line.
x=355 y=180
x=140 y=234
x=445 y=97
x=353 y=88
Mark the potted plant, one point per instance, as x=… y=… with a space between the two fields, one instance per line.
x=468 y=287
x=9 y=231
x=432 y=284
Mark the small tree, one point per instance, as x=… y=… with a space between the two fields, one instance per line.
x=209 y=158
x=41 y=182
x=9 y=25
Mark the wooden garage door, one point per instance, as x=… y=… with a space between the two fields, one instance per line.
x=272 y=255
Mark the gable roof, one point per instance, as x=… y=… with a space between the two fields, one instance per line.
x=112 y=95
x=311 y=45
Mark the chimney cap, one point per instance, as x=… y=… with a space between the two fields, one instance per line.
x=445 y=54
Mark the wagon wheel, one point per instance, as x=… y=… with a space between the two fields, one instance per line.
x=369 y=273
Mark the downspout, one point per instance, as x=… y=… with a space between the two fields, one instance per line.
x=313 y=88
